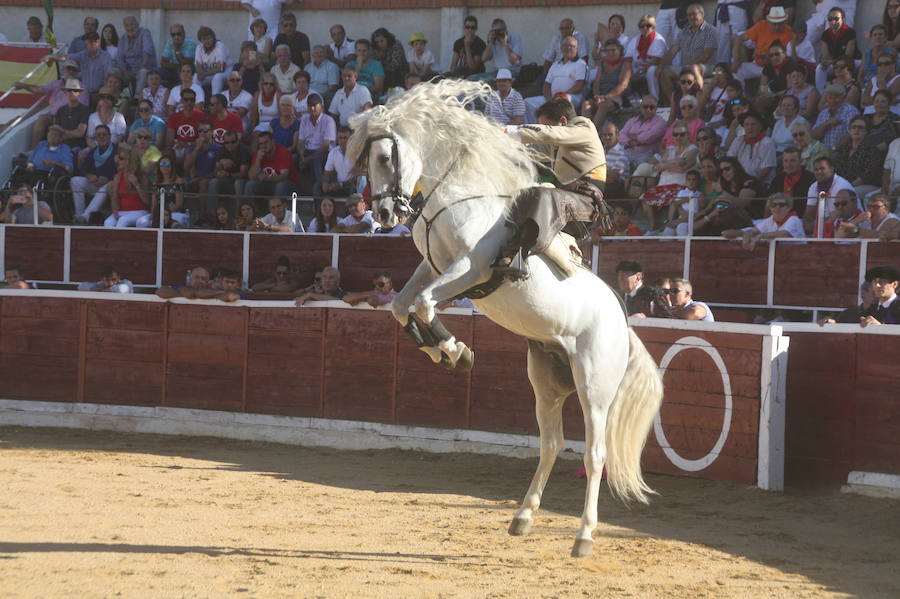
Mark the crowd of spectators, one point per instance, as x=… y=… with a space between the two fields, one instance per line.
x=702 y=116
x=749 y=124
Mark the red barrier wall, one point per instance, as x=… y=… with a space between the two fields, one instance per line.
x=843 y=411
x=351 y=364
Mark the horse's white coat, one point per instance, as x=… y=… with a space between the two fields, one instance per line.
x=578 y=335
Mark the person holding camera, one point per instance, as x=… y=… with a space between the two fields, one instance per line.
x=20 y=208
x=684 y=306
x=504 y=48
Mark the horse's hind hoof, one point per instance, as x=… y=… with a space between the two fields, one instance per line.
x=583 y=548
x=520 y=526
x=466 y=360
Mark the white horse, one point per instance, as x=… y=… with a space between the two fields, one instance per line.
x=469 y=171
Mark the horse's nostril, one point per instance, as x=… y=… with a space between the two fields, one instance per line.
x=385 y=214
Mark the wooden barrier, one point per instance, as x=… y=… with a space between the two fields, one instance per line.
x=843 y=412
x=719 y=420
x=803 y=275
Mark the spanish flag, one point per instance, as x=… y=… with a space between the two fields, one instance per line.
x=15 y=63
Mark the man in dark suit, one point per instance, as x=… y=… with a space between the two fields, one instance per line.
x=630 y=281
x=886 y=308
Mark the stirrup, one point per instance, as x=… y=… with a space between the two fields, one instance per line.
x=512 y=267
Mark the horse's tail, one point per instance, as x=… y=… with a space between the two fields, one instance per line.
x=630 y=417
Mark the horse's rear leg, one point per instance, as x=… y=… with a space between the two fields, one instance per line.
x=597 y=379
x=552 y=383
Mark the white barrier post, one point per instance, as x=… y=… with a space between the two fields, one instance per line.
x=294 y=211
x=820 y=215
x=162 y=209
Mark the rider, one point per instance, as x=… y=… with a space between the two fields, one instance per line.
x=579 y=167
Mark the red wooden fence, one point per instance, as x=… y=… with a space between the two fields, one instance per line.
x=817 y=274
x=356 y=364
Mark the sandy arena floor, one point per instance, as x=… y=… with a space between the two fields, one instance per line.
x=92 y=514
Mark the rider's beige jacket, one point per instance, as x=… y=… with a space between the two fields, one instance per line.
x=576 y=150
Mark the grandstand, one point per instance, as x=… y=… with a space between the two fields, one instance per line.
x=774 y=279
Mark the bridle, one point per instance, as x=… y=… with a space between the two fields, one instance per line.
x=407 y=206
x=403 y=202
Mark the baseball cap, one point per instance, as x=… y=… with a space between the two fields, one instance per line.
x=503 y=74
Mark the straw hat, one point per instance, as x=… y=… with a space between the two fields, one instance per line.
x=777 y=15
x=417 y=37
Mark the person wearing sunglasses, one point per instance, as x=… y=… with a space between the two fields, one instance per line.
x=643 y=133
x=880 y=221
x=467 y=51
x=885 y=78
x=782 y=222
x=382 y=292
x=845 y=218
x=147 y=120
x=838 y=42
x=646 y=51
x=181 y=128
x=684 y=306
x=180 y=49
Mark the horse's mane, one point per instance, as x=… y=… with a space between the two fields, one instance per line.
x=462 y=146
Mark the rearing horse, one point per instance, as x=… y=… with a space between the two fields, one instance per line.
x=469 y=173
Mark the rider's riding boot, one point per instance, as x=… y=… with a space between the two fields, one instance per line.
x=511 y=261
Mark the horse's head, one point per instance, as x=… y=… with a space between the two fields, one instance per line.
x=393 y=170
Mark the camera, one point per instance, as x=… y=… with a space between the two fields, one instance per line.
x=659 y=303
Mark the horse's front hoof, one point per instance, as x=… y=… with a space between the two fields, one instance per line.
x=583 y=548
x=446 y=362
x=520 y=526
x=466 y=360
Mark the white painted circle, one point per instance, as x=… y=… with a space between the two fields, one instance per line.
x=699 y=464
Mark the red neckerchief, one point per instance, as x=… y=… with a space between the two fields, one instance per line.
x=643 y=45
x=831 y=33
x=613 y=63
x=781 y=223
x=790 y=181
x=755 y=140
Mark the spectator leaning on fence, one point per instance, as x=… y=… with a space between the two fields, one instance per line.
x=14 y=278
x=684 y=306
x=381 y=294
x=110 y=282
x=359 y=218
x=331 y=287
x=199 y=288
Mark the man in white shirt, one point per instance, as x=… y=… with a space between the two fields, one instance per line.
x=279 y=219
x=324 y=75
x=284 y=70
x=827 y=184
x=341 y=50
x=566 y=76
x=338 y=178
x=350 y=99
x=318 y=134
x=359 y=218
x=755 y=150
